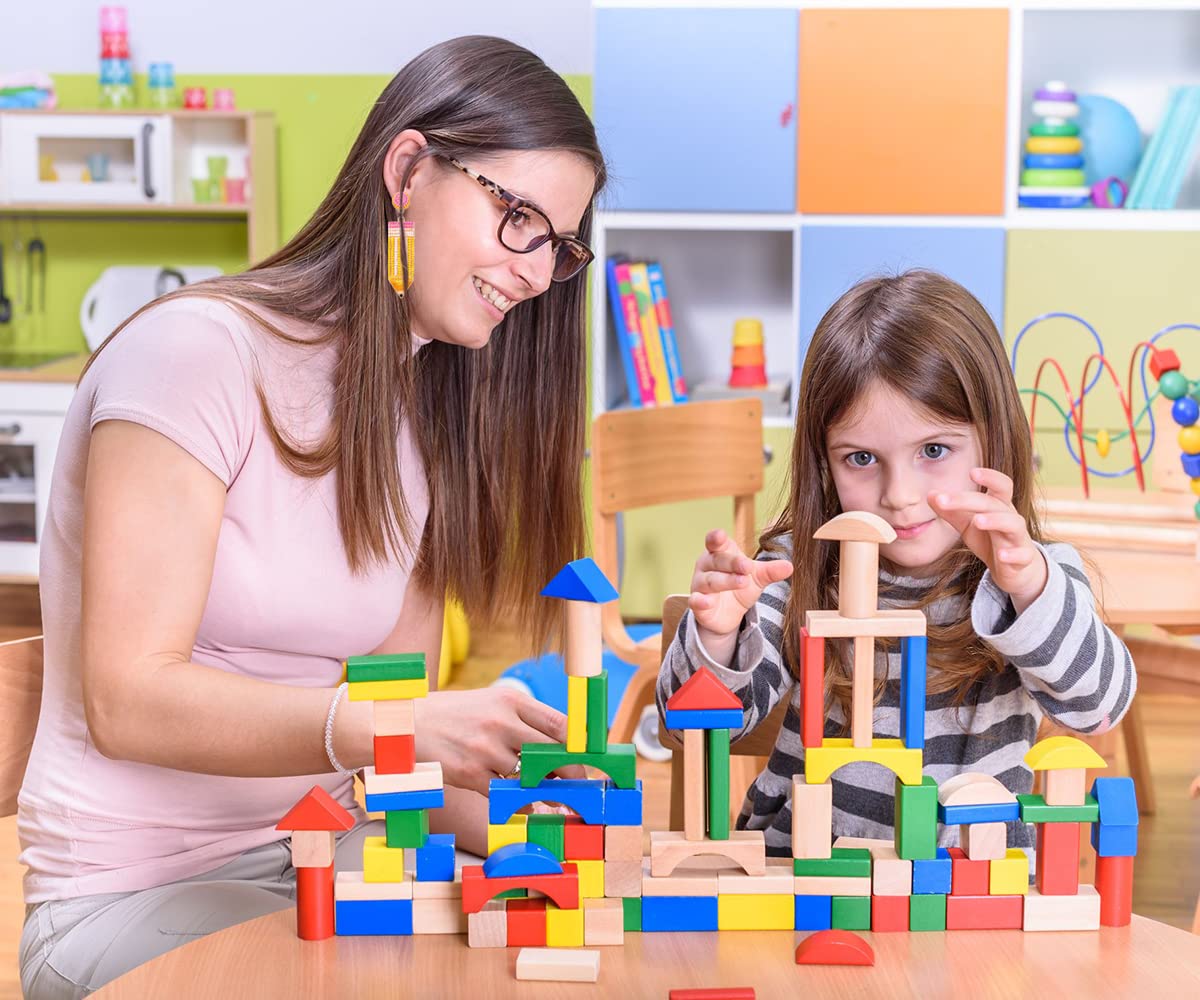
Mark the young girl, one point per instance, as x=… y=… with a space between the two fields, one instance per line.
x=908 y=410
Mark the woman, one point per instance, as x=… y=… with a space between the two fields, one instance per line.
x=266 y=473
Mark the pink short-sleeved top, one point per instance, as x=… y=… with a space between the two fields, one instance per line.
x=283 y=605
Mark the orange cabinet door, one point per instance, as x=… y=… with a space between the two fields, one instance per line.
x=902 y=111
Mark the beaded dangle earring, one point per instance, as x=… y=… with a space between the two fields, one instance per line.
x=396 y=232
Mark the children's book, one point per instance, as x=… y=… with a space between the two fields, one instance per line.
x=638 y=379
x=651 y=338
x=666 y=329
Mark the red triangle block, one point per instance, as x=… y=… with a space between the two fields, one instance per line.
x=703 y=691
x=318 y=810
x=834 y=948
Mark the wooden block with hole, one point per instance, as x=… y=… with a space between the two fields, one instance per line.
x=558 y=965
x=746 y=849
x=394 y=718
x=312 y=848
x=603 y=922
x=489 y=927
x=812 y=819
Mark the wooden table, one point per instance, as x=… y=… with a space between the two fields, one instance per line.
x=263 y=958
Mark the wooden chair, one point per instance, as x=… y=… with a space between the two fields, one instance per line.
x=21 y=694
x=641 y=458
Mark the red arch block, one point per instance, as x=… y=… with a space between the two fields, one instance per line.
x=562 y=888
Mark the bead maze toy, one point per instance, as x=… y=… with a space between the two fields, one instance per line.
x=558 y=886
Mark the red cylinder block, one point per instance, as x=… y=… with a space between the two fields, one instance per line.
x=314 y=903
x=1114 y=882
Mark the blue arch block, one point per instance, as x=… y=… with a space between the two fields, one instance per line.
x=912 y=691
x=516 y=860
x=584 y=795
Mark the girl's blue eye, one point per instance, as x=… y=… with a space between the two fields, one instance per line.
x=860 y=459
x=934 y=451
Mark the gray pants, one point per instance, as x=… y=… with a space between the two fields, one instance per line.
x=70 y=947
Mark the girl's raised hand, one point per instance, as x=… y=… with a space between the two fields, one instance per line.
x=727 y=582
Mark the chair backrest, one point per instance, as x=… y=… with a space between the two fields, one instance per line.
x=21 y=695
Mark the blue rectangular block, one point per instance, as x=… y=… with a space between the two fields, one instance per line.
x=584 y=795
x=622 y=806
x=679 y=913
x=704 y=718
x=433 y=798
x=999 y=812
x=435 y=861
x=814 y=913
x=933 y=875
x=373 y=916
x=1115 y=834
x=1114 y=841
x=912 y=691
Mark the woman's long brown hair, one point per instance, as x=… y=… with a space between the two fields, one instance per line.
x=500 y=429
x=928 y=339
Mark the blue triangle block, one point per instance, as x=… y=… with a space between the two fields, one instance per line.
x=581 y=580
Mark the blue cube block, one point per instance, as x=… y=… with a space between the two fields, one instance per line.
x=622 y=806
x=679 y=913
x=435 y=861
x=433 y=798
x=932 y=876
x=814 y=913
x=373 y=916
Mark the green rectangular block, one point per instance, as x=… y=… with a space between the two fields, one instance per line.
x=851 y=913
x=546 y=830
x=927 y=912
x=846 y=862
x=619 y=762
x=1035 y=810
x=597 y=713
x=400 y=667
x=633 y=912
x=406 y=827
x=916 y=820
x=718 y=784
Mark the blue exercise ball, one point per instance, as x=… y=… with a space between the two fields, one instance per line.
x=1112 y=141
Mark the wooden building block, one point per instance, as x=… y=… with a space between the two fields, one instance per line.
x=820 y=762
x=714 y=993
x=1114 y=882
x=889 y=913
x=858 y=579
x=584 y=653
x=591 y=878
x=382 y=863
x=916 y=820
x=546 y=830
x=477 y=890
x=389 y=690
x=1009 y=875
x=777 y=880
x=623 y=878
x=513 y=832
x=689 y=879
x=768 y=912
x=1057 y=870
x=913 y=677
x=564 y=928
x=395 y=754
x=315 y=904
x=352 y=885
x=384 y=667
x=597 y=713
x=603 y=922
x=1080 y=912
x=718 y=783
x=425 y=776
x=888 y=624
x=312 y=848
x=812 y=689
x=834 y=947
x=693 y=784
x=582 y=841
x=854 y=862
x=489 y=927
x=744 y=848
x=967 y=877
x=830 y=885
x=577 y=714
x=439 y=916
x=394 y=718
x=973 y=788
x=438 y=890
x=558 y=966
x=619 y=762
x=927 y=912
x=891 y=875
x=979 y=913
x=850 y=913
x=868 y=844
x=862 y=708
x=526 y=923
x=407 y=827
x=1065 y=787
x=623 y=843
x=984 y=841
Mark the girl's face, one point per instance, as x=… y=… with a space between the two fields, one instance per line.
x=887 y=455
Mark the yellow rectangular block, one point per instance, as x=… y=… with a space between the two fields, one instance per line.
x=1009 y=876
x=591 y=877
x=418 y=687
x=576 y=714
x=564 y=928
x=382 y=863
x=765 y=912
x=503 y=834
x=820 y=762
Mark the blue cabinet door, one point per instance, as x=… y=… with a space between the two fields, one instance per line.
x=695 y=108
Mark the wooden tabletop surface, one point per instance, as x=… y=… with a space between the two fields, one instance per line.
x=263 y=958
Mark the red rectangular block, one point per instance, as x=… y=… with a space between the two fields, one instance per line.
x=889 y=913
x=984 y=913
x=395 y=754
x=582 y=841
x=526 y=923
x=1114 y=882
x=967 y=877
x=812 y=689
x=1058 y=859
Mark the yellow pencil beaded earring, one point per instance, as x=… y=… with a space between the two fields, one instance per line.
x=396 y=254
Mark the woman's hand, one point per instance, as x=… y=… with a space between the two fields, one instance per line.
x=725 y=585
x=476 y=735
x=995 y=530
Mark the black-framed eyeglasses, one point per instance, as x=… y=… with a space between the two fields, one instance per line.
x=525 y=228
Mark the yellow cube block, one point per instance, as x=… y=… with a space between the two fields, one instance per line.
x=417 y=687
x=503 y=834
x=564 y=928
x=576 y=714
x=1009 y=875
x=591 y=878
x=753 y=912
x=382 y=863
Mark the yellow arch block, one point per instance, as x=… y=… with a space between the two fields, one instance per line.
x=820 y=762
x=1058 y=752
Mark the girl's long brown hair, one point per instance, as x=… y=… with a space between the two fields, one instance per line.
x=500 y=429
x=928 y=339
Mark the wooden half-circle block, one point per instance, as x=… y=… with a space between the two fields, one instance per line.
x=973 y=789
x=515 y=860
x=1062 y=752
x=856 y=526
x=834 y=948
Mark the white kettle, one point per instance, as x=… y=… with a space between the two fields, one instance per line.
x=121 y=291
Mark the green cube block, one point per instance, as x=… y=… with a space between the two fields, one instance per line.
x=597 y=713
x=927 y=912
x=916 y=819
x=633 y=912
x=512 y=894
x=846 y=862
x=406 y=827
x=851 y=913
x=619 y=762
x=1035 y=810
x=400 y=667
x=546 y=830
x=718 y=784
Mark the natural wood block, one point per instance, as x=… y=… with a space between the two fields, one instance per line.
x=885 y=624
x=973 y=788
x=1080 y=912
x=439 y=916
x=439 y=890
x=693 y=784
x=744 y=848
x=984 y=841
x=584 y=645
x=623 y=843
x=862 y=708
x=488 y=928
x=312 y=848
x=1066 y=787
x=830 y=885
x=623 y=878
x=778 y=879
x=425 y=776
x=352 y=885
x=603 y=921
x=559 y=965
x=869 y=843
x=394 y=718
x=858 y=579
x=686 y=880
x=812 y=819
x=891 y=875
